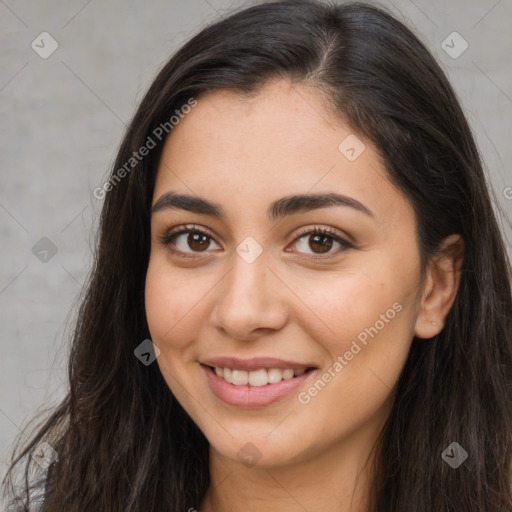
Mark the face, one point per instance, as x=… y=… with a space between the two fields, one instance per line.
x=263 y=286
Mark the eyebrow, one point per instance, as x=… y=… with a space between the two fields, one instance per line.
x=280 y=208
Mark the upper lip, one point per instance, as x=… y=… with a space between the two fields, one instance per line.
x=255 y=363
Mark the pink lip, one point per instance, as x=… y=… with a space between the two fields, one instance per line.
x=254 y=364
x=252 y=396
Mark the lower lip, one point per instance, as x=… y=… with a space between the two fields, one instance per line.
x=252 y=396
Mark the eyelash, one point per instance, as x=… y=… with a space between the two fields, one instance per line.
x=167 y=238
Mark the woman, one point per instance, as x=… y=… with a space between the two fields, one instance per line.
x=301 y=298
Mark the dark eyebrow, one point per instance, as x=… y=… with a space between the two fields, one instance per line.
x=285 y=206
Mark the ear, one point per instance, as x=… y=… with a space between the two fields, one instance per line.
x=440 y=287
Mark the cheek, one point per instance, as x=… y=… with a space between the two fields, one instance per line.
x=171 y=303
x=173 y=307
x=371 y=320
x=342 y=306
x=365 y=322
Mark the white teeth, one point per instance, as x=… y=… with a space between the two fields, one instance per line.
x=257 y=378
x=288 y=374
x=274 y=375
x=239 y=377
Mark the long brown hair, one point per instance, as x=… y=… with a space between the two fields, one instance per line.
x=124 y=443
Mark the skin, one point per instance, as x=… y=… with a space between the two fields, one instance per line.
x=243 y=153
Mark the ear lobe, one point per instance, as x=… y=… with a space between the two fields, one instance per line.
x=440 y=290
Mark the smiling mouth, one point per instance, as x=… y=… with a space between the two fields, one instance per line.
x=257 y=378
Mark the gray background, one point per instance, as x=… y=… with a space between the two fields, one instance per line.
x=63 y=117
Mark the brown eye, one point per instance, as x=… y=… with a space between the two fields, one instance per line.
x=198 y=241
x=187 y=241
x=321 y=241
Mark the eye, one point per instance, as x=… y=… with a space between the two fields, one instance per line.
x=189 y=240
x=196 y=239
x=320 y=240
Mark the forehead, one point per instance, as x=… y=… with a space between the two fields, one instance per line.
x=283 y=140
x=281 y=123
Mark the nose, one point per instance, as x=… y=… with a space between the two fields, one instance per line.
x=249 y=300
